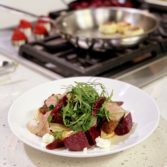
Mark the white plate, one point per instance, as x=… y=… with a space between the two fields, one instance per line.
x=157 y=2
x=145 y=114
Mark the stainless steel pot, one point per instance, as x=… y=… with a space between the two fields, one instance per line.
x=81 y=27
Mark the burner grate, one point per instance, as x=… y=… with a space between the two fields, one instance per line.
x=71 y=61
x=57 y=55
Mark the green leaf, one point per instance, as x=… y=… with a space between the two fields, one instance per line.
x=51 y=107
x=77 y=114
x=49 y=118
x=58 y=135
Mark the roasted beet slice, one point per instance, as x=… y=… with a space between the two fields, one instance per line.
x=59 y=105
x=57 y=118
x=125 y=125
x=92 y=134
x=97 y=105
x=54 y=115
x=76 y=142
x=55 y=144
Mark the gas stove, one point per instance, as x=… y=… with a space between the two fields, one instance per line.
x=138 y=65
x=59 y=56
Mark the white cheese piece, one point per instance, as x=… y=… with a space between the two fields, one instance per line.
x=85 y=150
x=103 y=143
x=47 y=138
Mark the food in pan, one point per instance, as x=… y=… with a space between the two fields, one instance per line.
x=108 y=28
x=120 y=29
x=82 y=117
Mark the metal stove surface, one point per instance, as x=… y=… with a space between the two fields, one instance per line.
x=140 y=74
x=57 y=58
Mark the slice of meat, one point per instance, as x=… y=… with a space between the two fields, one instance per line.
x=39 y=127
x=76 y=142
x=53 y=99
x=97 y=105
x=43 y=109
x=116 y=112
x=125 y=125
x=55 y=144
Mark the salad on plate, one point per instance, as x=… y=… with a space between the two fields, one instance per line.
x=82 y=117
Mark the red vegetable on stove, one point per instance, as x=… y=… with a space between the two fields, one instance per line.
x=25 y=24
x=40 y=30
x=18 y=35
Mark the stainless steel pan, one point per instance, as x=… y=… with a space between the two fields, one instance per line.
x=81 y=27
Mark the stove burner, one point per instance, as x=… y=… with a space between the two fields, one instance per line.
x=57 y=55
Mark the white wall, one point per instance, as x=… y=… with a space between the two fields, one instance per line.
x=39 y=7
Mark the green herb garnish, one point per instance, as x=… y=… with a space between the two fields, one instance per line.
x=58 y=135
x=51 y=107
x=77 y=114
x=49 y=118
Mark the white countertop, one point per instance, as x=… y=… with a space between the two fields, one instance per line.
x=150 y=153
x=38 y=7
x=13 y=153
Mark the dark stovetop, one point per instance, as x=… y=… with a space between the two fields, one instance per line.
x=57 y=55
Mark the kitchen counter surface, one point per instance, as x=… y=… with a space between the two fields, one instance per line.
x=13 y=153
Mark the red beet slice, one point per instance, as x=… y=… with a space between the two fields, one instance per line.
x=124 y=126
x=92 y=134
x=59 y=105
x=55 y=144
x=76 y=142
x=97 y=105
x=55 y=116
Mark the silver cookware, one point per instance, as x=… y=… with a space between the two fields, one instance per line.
x=81 y=27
